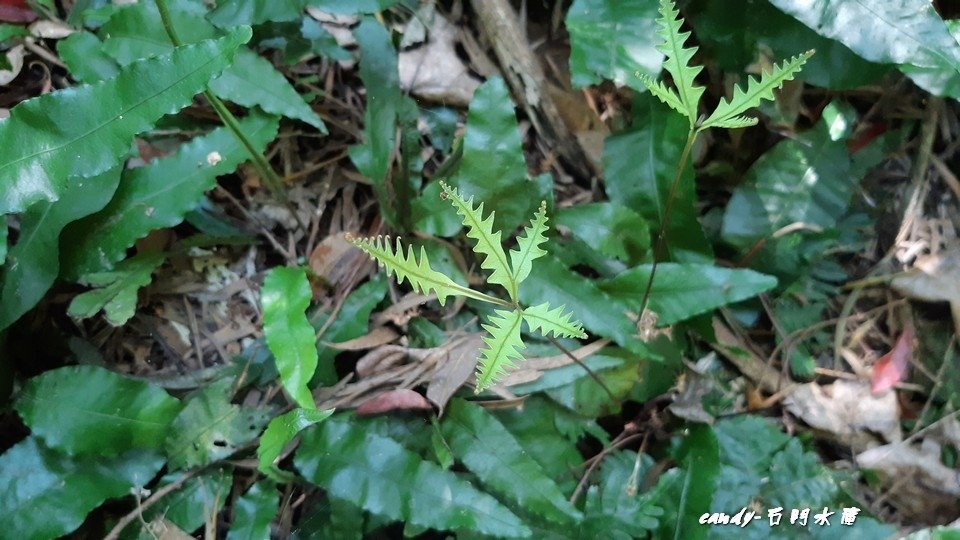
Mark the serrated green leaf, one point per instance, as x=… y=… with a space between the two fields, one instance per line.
x=664 y=94
x=158 y=196
x=681 y=291
x=210 y=428
x=253 y=512
x=378 y=474
x=94 y=411
x=285 y=296
x=281 y=431
x=727 y=113
x=488 y=245
x=421 y=276
x=528 y=248
x=678 y=57
x=83 y=54
x=70 y=133
x=47 y=494
x=34 y=261
x=489 y=451
x=503 y=345
x=115 y=290
x=736 y=122
x=542 y=319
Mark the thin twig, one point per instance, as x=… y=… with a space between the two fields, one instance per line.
x=114 y=533
x=580 y=363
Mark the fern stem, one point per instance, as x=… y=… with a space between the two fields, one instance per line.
x=665 y=218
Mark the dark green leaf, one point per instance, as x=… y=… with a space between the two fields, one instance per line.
x=285 y=296
x=34 y=261
x=83 y=54
x=115 y=291
x=158 y=196
x=230 y=13
x=66 y=134
x=47 y=494
x=253 y=512
x=8 y=31
x=489 y=451
x=611 y=229
x=699 y=457
x=612 y=510
x=380 y=475
x=91 y=410
x=199 y=499
x=613 y=40
x=281 y=431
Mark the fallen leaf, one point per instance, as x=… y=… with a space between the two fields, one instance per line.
x=934 y=278
x=454 y=370
x=50 y=29
x=334 y=260
x=15 y=59
x=434 y=71
x=401 y=399
x=375 y=338
x=847 y=411
x=891 y=368
x=16 y=11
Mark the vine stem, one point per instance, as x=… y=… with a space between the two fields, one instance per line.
x=259 y=160
x=665 y=218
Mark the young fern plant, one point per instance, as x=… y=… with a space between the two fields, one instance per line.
x=685 y=99
x=503 y=342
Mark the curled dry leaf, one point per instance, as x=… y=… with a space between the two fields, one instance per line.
x=15 y=59
x=891 y=368
x=434 y=71
x=335 y=260
x=401 y=399
x=846 y=411
x=51 y=29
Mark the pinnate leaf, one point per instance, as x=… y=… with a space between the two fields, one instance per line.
x=280 y=431
x=528 y=248
x=664 y=94
x=285 y=296
x=678 y=60
x=72 y=133
x=115 y=290
x=503 y=345
x=542 y=319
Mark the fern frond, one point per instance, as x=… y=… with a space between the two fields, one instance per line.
x=421 y=276
x=544 y=320
x=528 y=247
x=757 y=90
x=677 y=62
x=487 y=242
x=664 y=94
x=736 y=122
x=503 y=347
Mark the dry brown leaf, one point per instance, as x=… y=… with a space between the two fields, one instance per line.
x=401 y=399
x=375 y=338
x=434 y=71
x=334 y=260
x=50 y=29
x=848 y=411
x=454 y=369
x=918 y=483
x=15 y=59
x=934 y=278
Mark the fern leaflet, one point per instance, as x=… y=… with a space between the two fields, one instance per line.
x=542 y=319
x=661 y=92
x=420 y=275
x=677 y=62
x=487 y=241
x=728 y=111
x=503 y=347
x=528 y=248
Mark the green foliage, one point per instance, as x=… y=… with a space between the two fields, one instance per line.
x=614 y=230
x=115 y=290
x=612 y=511
x=198 y=500
x=503 y=346
x=253 y=512
x=281 y=430
x=285 y=296
x=61 y=410
x=83 y=54
x=65 y=134
x=686 y=99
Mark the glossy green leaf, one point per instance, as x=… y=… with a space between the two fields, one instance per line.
x=611 y=510
x=230 y=13
x=639 y=167
x=503 y=346
x=46 y=494
x=281 y=430
x=115 y=291
x=198 y=500
x=158 y=196
x=83 y=54
x=253 y=512
x=908 y=33
x=489 y=451
x=678 y=58
x=378 y=474
x=529 y=247
x=611 y=229
x=8 y=31
x=69 y=133
x=94 y=411
x=613 y=40
x=210 y=428
x=699 y=455
x=34 y=261
x=285 y=296
x=681 y=291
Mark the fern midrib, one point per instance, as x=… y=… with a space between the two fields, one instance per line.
x=526 y=255
x=789 y=69
x=563 y=325
x=502 y=344
x=478 y=233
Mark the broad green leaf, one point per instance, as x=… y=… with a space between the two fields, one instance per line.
x=611 y=229
x=230 y=13
x=908 y=33
x=46 y=494
x=612 y=40
x=34 y=261
x=639 y=167
x=69 y=133
x=136 y=31
x=678 y=57
x=493 y=168
x=728 y=112
x=8 y=31
x=158 y=196
x=94 y=411
x=352 y=321
x=611 y=511
x=210 y=428
x=253 y=512
x=489 y=451
x=503 y=346
x=115 y=291
x=83 y=54
x=488 y=244
x=681 y=291
x=198 y=500
x=528 y=248
x=542 y=319
x=378 y=474
x=699 y=457
x=285 y=296
x=281 y=430
x=421 y=276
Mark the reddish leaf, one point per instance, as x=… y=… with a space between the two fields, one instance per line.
x=16 y=11
x=394 y=400
x=892 y=367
